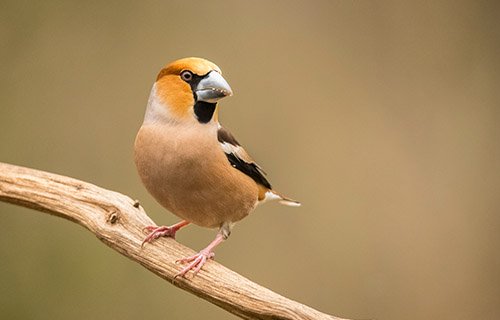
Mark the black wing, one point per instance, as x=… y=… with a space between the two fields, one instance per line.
x=240 y=159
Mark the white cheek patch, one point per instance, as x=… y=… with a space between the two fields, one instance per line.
x=156 y=111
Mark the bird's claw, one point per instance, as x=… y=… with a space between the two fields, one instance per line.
x=156 y=232
x=196 y=262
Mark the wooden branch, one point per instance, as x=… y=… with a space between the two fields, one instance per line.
x=118 y=221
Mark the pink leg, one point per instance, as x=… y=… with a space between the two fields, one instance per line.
x=163 y=231
x=198 y=260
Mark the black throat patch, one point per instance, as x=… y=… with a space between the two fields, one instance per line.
x=204 y=111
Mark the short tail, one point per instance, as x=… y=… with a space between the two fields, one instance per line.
x=290 y=202
x=273 y=195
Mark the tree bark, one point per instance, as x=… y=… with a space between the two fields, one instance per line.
x=118 y=221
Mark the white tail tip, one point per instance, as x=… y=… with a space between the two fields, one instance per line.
x=290 y=203
x=273 y=195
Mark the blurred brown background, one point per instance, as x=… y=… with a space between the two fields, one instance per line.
x=381 y=117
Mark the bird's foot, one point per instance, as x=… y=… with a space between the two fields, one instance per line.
x=196 y=262
x=156 y=232
x=163 y=231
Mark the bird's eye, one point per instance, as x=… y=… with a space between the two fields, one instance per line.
x=186 y=76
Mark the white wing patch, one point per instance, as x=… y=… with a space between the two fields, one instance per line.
x=240 y=159
x=229 y=148
x=239 y=152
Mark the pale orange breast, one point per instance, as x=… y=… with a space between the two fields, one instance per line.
x=187 y=172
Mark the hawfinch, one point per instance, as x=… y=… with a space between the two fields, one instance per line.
x=192 y=165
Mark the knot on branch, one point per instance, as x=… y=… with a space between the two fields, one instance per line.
x=113 y=217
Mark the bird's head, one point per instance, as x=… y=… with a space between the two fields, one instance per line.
x=188 y=90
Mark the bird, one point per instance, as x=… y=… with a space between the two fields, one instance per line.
x=191 y=164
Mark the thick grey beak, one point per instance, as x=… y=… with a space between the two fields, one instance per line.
x=212 y=88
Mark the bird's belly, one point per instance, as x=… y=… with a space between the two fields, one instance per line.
x=193 y=181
